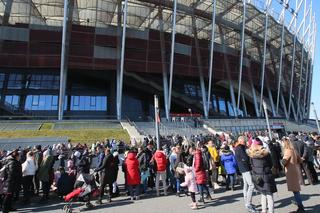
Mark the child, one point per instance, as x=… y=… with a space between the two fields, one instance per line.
x=230 y=165
x=190 y=182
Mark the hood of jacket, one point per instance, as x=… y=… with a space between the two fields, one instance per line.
x=226 y=152
x=257 y=152
x=131 y=156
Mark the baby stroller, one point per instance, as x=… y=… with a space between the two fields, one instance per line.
x=85 y=189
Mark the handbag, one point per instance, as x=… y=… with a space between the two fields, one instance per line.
x=257 y=180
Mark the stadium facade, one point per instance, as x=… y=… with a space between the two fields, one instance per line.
x=109 y=57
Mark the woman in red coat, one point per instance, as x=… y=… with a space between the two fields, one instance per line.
x=201 y=175
x=132 y=172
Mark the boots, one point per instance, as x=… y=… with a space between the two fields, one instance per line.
x=300 y=209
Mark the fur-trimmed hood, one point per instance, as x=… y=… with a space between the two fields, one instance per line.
x=257 y=152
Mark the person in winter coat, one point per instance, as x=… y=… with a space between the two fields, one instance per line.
x=190 y=182
x=243 y=162
x=29 y=168
x=230 y=165
x=132 y=174
x=38 y=157
x=262 y=175
x=12 y=170
x=213 y=173
x=291 y=162
x=65 y=183
x=108 y=175
x=201 y=176
x=144 y=168
x=301 y=149
x=160 y=160
x=45 y=172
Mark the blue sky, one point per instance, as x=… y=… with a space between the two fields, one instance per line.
x=315 y=96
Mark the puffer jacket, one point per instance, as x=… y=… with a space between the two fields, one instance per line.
x=201 y=176
x=229 y=162
x=261 y=162
x=29 y=167
x=189 y=180
x=12 y=175
x=131 y=168
x=161 y=161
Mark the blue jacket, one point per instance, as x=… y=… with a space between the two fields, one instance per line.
x=229 y=162
x=100 y=158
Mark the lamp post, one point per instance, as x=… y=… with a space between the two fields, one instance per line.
x=267 y=118
x=157 y=120
x=316 y=116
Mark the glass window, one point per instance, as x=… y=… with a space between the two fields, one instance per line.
x=15 y=81
x=2 y=77
x=92 y=101
x=88 y=103
x=41 y=102
x=230 y=109
x=35 y=100
x=12 y=100
x=214 y=103
x=222 y=105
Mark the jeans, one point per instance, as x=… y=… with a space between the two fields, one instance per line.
x=45 y=188
x=297 y=197
x=230 y=180
x=163 y=176
x=202 y=188
x=247 y=188
x=134 y=190
x=178 y=187
x=267 y=199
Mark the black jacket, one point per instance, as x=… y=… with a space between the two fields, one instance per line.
x=261 y=162
x=108 y=168
x=300 y=148
x=13 y=175
x=242 y=158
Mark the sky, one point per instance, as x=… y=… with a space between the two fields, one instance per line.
x=315 y=95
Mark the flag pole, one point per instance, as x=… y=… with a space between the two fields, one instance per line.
x=157 y=120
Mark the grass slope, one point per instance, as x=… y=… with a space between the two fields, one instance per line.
x=81 y=136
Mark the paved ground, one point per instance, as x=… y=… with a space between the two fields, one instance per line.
x=224 y=202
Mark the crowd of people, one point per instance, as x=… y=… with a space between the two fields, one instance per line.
x=197 y=166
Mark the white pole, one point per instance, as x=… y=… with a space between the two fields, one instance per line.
x=316 y=116
x=157 y=120
x=267 y=119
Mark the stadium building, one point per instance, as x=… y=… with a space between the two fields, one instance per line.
x=107 y=58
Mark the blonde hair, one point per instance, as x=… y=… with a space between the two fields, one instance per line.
x=287 y=144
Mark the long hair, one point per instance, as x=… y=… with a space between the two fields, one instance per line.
x=287 y=144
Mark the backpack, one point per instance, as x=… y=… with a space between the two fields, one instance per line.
x=205 y=162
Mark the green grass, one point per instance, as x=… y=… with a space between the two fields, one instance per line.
x=82 y=136
x=46 y=126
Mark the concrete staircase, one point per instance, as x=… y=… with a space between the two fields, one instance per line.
x=132 y=131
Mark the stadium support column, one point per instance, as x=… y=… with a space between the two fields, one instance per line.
x=264 y=54
x=308 y=67
x=271 y=101
x=284 y=105
x=7 y=12
x=302 y=59
x=173 y=41
x=292 y=72
x=163 y=63
x=67 y=24
x=211 y=54
x=281 y=56
x=199 y=63
x=241 y=54
x=244 y=106
x=123 y=47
